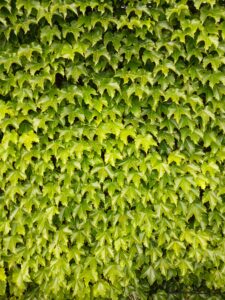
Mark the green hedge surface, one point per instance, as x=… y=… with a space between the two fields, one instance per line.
x=112 y=149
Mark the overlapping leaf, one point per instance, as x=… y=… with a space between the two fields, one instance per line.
x=112 y=121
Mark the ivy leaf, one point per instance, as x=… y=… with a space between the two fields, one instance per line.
x=48 y=33
x=176 y=157
x=113 y=272
x=212 y=198
x=177 y=247
x=197 y=210
x=184 y=266
x=101 y=289
x=28 y=138
x=146 y=142
x=67 y=51
x=150 y=274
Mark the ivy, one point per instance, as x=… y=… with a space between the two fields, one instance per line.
x=112 y=121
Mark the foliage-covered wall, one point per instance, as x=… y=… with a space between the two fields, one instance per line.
x=112 y=122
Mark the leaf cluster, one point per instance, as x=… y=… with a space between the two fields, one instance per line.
x=112 y=123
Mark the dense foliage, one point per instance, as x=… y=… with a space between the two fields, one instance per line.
x=112 y=122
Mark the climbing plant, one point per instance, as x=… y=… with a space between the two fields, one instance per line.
x=112 y=123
